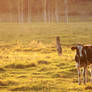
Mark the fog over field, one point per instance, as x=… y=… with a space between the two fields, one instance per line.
x=29 y=61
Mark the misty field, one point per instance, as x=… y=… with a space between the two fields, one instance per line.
x=29 y=61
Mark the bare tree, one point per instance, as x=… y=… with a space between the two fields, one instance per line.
x=56 y=11
x=48 y=12
x=19 y=12
x=48 y=15
x=22 y=11
x=29 y=12
x=66 y=10
x=10 y=18
x=45 y=11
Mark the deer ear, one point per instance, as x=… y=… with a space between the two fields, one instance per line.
x=85 y=47
x=73 y=48
x=88 y=46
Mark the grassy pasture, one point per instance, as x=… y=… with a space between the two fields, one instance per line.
x=28 y=58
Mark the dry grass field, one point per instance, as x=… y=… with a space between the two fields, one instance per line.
x=29 y=61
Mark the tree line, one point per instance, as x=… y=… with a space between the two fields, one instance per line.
x=21 y=11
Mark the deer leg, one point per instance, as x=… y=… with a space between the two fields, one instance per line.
x=87 y=74
x=91 y=73
x=84 y=74
x=79 y=75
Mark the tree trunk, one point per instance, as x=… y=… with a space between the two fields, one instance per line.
x=56 y=11
x=66 y=11
x=19 y=19
x=22 y=11
x=29 y=15
x=9 y=18
x=45 y=11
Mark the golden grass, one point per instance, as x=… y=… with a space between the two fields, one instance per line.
x=39 y=71
x=31 y=64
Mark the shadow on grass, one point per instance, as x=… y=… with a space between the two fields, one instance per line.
x=34 y=89
x=20 y=66
x=69 y=74
x=31 y=89
x=56 y=75
x=2 y=70
x=43 y=62
x=75 y=90
x=8 y=83
x=3 y=83
x=88 y=88
x=61 y=64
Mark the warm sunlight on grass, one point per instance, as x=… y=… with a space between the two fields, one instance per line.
x=29 y=61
